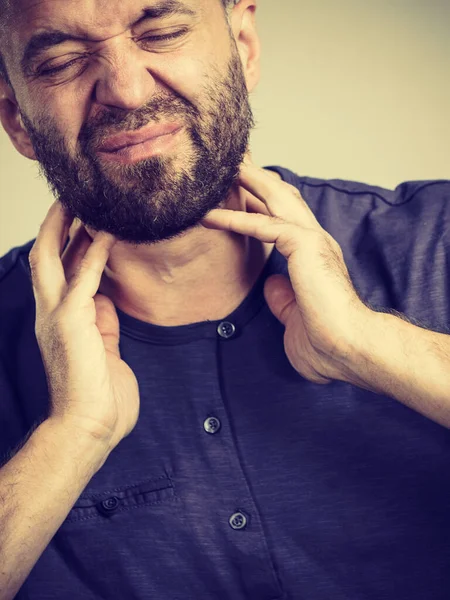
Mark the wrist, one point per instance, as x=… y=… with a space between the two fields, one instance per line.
x=358 y=361
x=70 y=437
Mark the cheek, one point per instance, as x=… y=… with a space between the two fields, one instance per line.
x=187 y=78
x=57 y=108
x=69 y=109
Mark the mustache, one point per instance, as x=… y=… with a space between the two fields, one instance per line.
x=98 y=128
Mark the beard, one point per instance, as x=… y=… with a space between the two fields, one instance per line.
x=162 y=196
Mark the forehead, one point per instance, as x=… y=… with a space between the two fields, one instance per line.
x=104 y=17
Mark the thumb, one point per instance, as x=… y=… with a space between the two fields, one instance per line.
x=280 y=297
x=107 y=323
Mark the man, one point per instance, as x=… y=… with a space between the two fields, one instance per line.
x=197 y=399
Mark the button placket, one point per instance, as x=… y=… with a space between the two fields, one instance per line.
x=227 y=466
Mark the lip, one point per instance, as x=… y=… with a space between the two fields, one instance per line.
x=132 y=138
x=132 y=154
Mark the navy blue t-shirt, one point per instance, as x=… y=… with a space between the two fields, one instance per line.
x=242 y=480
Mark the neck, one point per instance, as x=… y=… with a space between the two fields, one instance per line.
x=202 y=275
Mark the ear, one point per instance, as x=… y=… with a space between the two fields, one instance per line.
x=12 y=121
x=243 y=26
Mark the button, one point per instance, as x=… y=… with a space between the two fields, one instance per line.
x=212 y=425
x=109 y=506
x=226 y=330
x=238 y=521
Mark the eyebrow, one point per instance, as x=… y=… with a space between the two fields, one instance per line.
x=40 y=42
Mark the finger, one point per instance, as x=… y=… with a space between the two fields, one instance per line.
x=253 y=205
x=107 y=323
x=264 y=228
x=280 y=297
x=86 y=281
x=282 y=199
x=45 y=257
x=79 y=244
x=76 y=224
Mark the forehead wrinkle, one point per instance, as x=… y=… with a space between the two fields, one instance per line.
x=39 y=16
x=123 y=15
x=101 y=15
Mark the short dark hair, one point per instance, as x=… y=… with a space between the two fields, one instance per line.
x=227 y=4
x=4 y=4
x=3 y=72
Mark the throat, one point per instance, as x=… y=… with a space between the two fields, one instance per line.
x=210 y=297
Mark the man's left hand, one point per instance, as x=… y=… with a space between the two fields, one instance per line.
x=323 y=315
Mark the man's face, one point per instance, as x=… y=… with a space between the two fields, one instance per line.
x=120 y=78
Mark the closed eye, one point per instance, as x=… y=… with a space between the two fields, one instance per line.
x=154 y=38
x=162 y=38
x=54 y=70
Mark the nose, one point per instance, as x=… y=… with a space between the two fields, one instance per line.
x=124 y=80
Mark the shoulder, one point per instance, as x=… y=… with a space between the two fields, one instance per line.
x=17 y=304
x=396 y=242
x=14 y=269
x=341 y=204
x=340 y=189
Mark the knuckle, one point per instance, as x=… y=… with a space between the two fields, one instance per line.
x=331 y=255
x=276 y=220
x=33 y=258
x=334 y=245
x=294 y=190
x=339 y=252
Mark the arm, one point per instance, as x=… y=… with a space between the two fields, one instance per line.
x=405 y=362
x=38 y=487
x=331 y=334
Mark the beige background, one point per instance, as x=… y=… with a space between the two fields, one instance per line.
x=350 y=89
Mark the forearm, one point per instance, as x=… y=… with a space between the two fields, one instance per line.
x=38 y=487
x=403 y=361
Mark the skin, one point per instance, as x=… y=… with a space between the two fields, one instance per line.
x=200 y=274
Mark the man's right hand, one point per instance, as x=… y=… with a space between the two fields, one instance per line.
x=91 y=388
